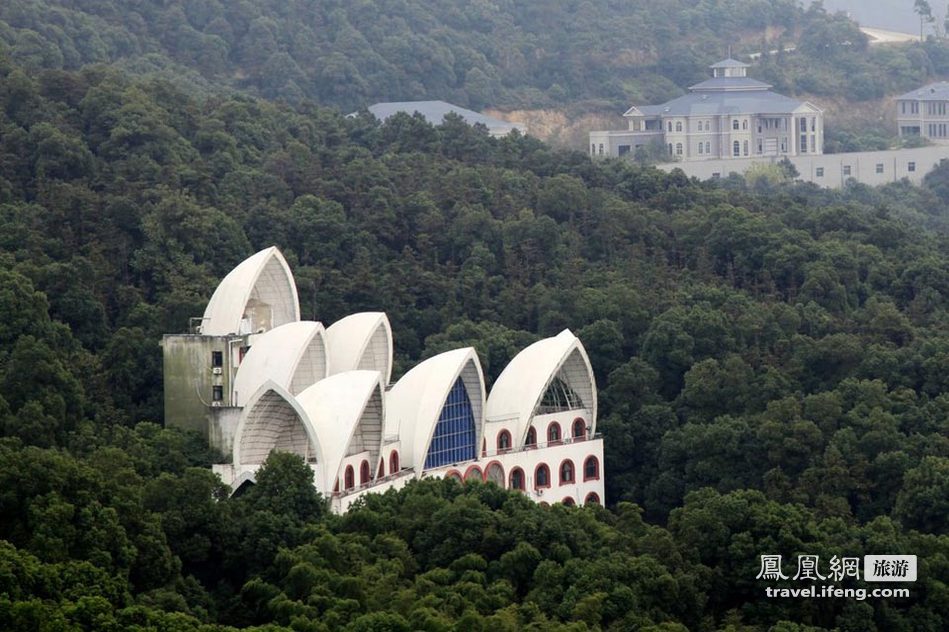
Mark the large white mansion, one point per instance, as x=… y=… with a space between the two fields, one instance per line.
x=255 y=378
x=728 y=116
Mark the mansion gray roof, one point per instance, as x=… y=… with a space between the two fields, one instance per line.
x=729 y=63
x=932 y=92
x=730 y=83
x=718 y=103
x=435 y=111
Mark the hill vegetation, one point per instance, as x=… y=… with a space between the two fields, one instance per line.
x=771 y=360
x=505 y=54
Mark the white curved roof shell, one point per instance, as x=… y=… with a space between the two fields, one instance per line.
x=293 y=355
x=415 y=402
x=519 y=389
x=347 y=412
x=361 y=342
x=273 y=420
x=258 y=295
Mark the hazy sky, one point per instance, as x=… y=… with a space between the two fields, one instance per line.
x=894 y=15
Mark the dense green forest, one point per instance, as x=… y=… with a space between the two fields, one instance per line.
x=601 y=55
x=772 y=362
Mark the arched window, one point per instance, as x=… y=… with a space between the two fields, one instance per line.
x=566 y=472
x=531 y=437
x=670 y=149
x=553 y=432
x=669 y=126
x=517 y=479
x=735 y=124
x=474 y=473
x=744 y=124
x=504 y=441
x=455 y=437
x=591 y=469
x=349 y=479
x=542 y=476
x=494 y=473
x=569 y=502
x=678 y=149
x=592 y=499
x=736 y=148
x=382 y=468
x=364 y=473
x=579 y=428
x=394 y=462
x=678 y=126
x=455 y=474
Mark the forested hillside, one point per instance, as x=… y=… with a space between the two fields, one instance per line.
x=565 y=53
x=771 y=360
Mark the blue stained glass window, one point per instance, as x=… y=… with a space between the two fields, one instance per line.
x=454 y=437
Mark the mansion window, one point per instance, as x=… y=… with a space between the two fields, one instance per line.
x=678 y=149
x=736 y=148
x=701 y=147
x=708 y=147
x=669 y=126
x=911 y=166
x=678 y=126
x=803 y=143
x=745 y=148
x=846 y=170
x=744 y=124
x=879 y=167
x=735 y=124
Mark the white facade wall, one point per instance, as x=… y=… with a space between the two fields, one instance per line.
x=832 y=170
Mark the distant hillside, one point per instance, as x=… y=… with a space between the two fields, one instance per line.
x=505 y=54
x=895 y=15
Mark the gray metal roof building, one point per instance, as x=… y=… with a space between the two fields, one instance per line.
x=435 y=111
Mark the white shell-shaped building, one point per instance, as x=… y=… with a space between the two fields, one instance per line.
x=293 y=355
x=274 y=420
x=436 y=410
x=266 y=380
x=256 y=296
x=551 y=376
x=347 y=411
x=361 y=342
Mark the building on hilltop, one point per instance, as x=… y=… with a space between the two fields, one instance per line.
x=435 y=111
x=253 y=378
x=729 y=116
x=925 y=112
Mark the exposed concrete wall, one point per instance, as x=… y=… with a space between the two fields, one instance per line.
x=832 y=170
x=190 y=380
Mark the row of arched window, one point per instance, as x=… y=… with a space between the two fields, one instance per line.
x=516 y=480
x=578 y=430
x=567 y=474
x=365 y=472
